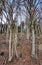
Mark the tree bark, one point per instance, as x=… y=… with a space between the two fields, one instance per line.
x=7 y=35
x=27 y=33
x=33 y=43
x=15 y=45
x=10 y=50
x=21 y=30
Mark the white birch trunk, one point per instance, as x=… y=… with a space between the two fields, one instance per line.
x=10 y=50
x=33 y=42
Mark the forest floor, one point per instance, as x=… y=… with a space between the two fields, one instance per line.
x=24 y=53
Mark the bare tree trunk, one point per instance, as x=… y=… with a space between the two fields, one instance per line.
x=10 y=50
x=7 y=35
x=17 y=33
x=15 y=45
x=27 y=33
x=33 y=43
x=21 y=30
